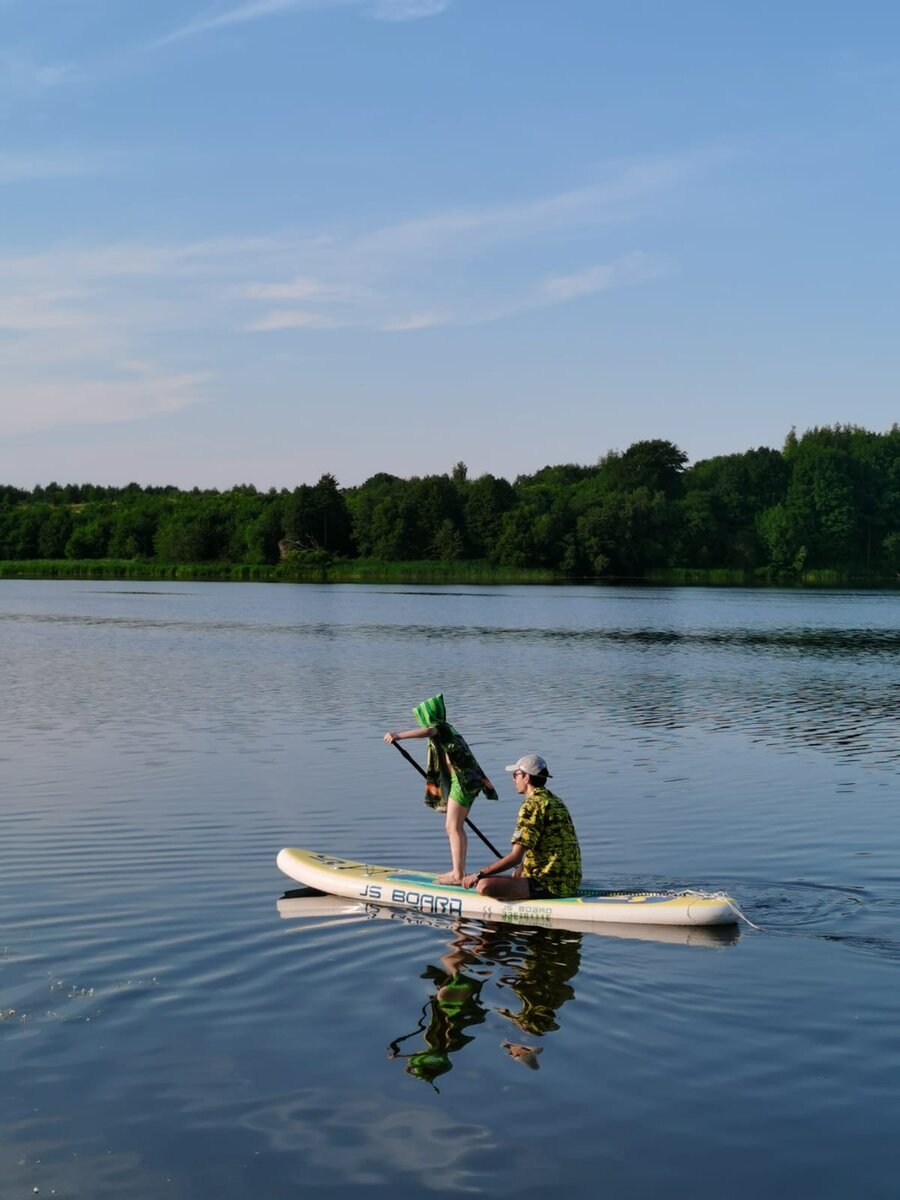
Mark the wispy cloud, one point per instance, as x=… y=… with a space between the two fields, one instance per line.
x=622 y=195
x=416 y=321
x=628 y=270
x=257 y=10
x=78 y=330
x=467 y=266
x=21 y=76
x=303 y=289
x=18 y=168
x=240 y=15
x=408 y=10
x=47 y=405
x=96 y=332
x=294 y=319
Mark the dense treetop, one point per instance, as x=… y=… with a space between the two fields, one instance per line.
x=828 y=499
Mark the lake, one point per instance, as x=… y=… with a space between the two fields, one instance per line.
x=170 y=1026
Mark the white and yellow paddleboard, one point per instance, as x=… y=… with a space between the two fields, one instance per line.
x=316 y=910
x=400 y=888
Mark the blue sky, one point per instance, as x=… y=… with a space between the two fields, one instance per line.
x=257 y=240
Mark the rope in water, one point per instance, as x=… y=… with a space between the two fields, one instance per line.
x=737 y=912
x=731 y=904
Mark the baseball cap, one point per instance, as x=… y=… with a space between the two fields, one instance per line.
x=531 y=764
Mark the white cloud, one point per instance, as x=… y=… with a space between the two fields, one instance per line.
x=240 y=15
x=632 y=268
x=44 y=405
x=256 y=10
x=627 y=189
x=20 y=76
x=292 y=319
x=408 y=10
x=17 y=168
x=416 y=321
x=41 y=308
x=302 y=289
x=373 y=272
x=69 y=311
x=626 y=271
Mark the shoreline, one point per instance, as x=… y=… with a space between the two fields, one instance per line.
x=374 y=572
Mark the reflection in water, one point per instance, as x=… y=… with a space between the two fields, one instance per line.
x=828 y=688
x=543 y=961
x=535 y=964
x=819 y=675
x=531 y=968
x=452 y=1008
x=527 y=1055
x=308 y=903
x=136 y=728
x=850 y=716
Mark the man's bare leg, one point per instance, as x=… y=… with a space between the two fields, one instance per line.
x=504 y=887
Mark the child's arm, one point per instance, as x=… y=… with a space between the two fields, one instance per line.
x=410 y=733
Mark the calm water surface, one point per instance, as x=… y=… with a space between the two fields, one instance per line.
x=168 y=1028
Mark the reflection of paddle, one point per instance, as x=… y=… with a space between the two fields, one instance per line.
x=471 y=824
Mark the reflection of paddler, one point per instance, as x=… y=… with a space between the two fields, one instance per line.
x=454 y=1006
x=456 y=993
x=536 y=964
x=541 y=978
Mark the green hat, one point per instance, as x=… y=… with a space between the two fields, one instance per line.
x=430 y=711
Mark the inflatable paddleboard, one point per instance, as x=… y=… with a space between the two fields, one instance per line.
x=400 y=888
x=316 y=911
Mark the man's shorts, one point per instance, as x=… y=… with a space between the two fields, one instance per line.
x=537 y=891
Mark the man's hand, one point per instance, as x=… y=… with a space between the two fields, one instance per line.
x=469 y=881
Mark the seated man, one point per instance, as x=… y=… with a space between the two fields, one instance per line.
x=545 y=851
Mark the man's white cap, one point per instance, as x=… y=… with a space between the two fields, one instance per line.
x=531 y=764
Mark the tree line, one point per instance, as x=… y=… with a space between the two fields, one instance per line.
x=828 y=500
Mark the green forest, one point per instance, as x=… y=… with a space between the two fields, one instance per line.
x=826 y=505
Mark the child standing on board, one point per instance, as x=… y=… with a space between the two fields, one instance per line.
x=453 y=777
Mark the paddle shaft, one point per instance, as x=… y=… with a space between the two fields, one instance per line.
x=470 y=823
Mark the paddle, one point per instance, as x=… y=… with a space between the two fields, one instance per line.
x=471 y=824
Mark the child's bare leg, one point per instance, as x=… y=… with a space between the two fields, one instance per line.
x=455 y=824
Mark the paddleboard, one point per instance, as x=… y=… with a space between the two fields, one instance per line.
x=318 y=910
x=400 y=888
